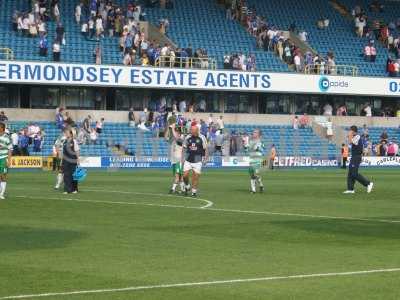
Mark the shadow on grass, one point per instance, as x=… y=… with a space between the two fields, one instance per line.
x=15 y=238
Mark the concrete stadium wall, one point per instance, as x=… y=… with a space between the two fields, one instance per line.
x=19 y=114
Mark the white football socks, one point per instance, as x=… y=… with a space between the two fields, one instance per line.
x=3 y=185
x=253 y=185
x=60 y=179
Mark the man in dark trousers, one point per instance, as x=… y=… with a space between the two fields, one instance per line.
x=355 y=161
x=70 y=161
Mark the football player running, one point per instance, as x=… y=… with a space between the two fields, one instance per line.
x=194 y=155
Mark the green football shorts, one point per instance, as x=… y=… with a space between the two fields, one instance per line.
x=177 y=169
x=3 y=166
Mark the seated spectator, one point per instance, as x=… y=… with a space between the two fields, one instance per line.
x=384 y=136
x=3 y=117
x=392 y=149
x=99 y=126
x=93 y=136
x=296 y=123
x=367 y=52
x=142 y=126
x=383 y=148
x=304 y=121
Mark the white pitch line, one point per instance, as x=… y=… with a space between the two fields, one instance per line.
x=208 y=202
x=218 y=209
x=200 y=283
x=109 y=202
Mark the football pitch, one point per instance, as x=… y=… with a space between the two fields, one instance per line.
x=124 y=237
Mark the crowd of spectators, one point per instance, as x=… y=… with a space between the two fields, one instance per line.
x=87 y=132
x=270 y=38
x=240 y=62
x=384 y=146
x=33 y=23
x=387 y=33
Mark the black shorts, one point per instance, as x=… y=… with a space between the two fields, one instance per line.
x=98 y=130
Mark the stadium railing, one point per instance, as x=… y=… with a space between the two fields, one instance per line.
x=188 y=62
x=6 y=53
x=343 y=70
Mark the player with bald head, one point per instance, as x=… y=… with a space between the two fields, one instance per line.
x=194 y=155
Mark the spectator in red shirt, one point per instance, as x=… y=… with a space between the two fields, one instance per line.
x=304 y=121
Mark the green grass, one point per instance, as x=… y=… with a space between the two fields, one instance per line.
x=48 y=245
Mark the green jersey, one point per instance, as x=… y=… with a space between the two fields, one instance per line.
x=256 y=152
x=5 y=145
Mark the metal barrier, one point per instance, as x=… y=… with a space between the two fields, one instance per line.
x=187 y=62
x=6 y=53
x=343 y=70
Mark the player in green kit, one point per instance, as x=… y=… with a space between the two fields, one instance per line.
x=175 y=139
x=256 y=154
x=5 y=158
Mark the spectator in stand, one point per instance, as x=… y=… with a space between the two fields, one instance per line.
x=3 y=117
x=367 y=111
x=93 y=135
x=56 y=51
x=360 y=23
x=303 y=36
x=220 y=123
x=367 y=52
x=182 y=106
x=392 y=149
x=43 y=45
x=23 y=143
x=78 y=13
x=60 y=33
x=342 y=111
x=304 y=121
x=297 y=62
x=384 y=136
x=86 y=124
x=131 y=117
x=14 y=141
x=296 y=123
x=328 y=109
x=391 y=68
x=99 y=126
x=37 y=142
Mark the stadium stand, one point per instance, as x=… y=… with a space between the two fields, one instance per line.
x=339 y=37
x=289 y=142
x=200 y=24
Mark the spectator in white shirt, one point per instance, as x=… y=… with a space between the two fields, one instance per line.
x=78 y=13
x=328 y=109
x=367 y=110
x=297 y=62
x=303 y=36
x=182 y=106
x=56 y=51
